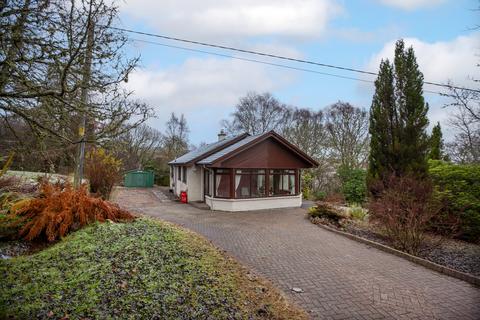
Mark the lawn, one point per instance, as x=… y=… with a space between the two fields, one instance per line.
x=146 y=269
x=33 y=176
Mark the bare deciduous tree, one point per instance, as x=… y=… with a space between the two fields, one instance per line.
x=43 y=48
x=348 y=139
x=306 y=129
x=258 y=113
x=137 y=147
x=465 y=120
x=176 y=137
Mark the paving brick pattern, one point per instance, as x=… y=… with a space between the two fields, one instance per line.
x=340 y=278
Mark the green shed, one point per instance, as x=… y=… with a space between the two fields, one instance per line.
x=139 y=179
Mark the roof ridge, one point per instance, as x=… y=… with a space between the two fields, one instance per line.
x=197 y=154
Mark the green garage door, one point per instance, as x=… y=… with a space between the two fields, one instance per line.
x=139 y=179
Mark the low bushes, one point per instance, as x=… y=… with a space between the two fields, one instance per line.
x=406 y=208
x=307 y=181
x=353 y=185
x=102 y=171
x=458 y=186
x=10 y=183
x=62 y=209
x=326 y=211
x=357 y=213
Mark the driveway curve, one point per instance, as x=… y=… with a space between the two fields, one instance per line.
x=340 y=278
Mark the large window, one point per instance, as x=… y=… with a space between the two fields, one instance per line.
x=249 y=183
x=281 y=183
x=222 y=183
x=254 y=183
x=179 y=173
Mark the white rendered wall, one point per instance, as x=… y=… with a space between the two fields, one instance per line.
x=194 y=183
x=253 y=204
x=177 y=185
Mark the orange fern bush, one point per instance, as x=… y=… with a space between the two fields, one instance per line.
x=62 y=209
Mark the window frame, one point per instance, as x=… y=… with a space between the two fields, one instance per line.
x=232 y=172
x=251 y=173
x=281 y=173
x=227 y=172
x=206 y=182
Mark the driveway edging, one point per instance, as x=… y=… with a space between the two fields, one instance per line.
x=428 y=264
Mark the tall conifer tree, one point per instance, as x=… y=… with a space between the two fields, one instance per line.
x=436 y=143
x=398 y=119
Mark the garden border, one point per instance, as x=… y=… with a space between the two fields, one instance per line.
x=428 y=264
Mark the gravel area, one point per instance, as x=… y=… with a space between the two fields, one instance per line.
x=456 y=254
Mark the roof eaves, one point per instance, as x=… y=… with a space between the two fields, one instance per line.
x=261 y=138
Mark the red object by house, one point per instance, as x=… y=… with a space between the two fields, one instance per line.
x=183 y=197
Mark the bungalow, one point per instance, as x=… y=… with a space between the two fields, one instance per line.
x=243 y=172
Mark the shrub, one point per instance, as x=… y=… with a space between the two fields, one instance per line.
x=162 y=174
x=307 y=181
x=60 y=210
x=163 y=180
x=357 y=213
x=335 y=197
x=8 y=182
x=320 y=195
x=103 y=171
x=353 y=187
x=406 y=208
x=459 y=187
x=325 y=211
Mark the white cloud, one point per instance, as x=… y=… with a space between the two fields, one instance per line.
x=205 y=90
x=232 y=18
x=276 y=49
x=439 y=61
x=412 y=4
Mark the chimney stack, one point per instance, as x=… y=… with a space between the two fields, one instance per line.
x=222 y=135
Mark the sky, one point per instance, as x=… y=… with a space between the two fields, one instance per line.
x=355 y=34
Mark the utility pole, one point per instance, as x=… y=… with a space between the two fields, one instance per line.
x=86 y=74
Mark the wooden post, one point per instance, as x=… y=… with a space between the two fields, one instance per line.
x=87 y=70
x=232 y=183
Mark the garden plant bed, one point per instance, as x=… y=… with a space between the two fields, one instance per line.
x=13 y=248
x=143 y=269
x=451 y=253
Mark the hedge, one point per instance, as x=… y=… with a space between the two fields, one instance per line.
x=458 y=185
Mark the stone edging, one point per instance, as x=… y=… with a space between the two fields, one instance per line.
x=428 y=264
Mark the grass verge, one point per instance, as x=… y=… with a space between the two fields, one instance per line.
x=141 y=270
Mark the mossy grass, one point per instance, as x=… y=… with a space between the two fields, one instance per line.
x=140 y=270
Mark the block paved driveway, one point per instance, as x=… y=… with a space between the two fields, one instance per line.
x=340 y=278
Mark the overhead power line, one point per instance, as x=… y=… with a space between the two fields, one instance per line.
x=250 y=60
x=265 y=62
x=276 y=56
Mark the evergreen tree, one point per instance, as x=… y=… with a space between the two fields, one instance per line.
x=398 y=119
x=436 y=144
x=383 y=125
